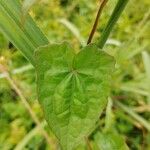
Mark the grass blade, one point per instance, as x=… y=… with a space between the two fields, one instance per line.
x=27 y=4
x=134 y=115
x=35 y=131
x=112 y=21
x=26 y=38
x=146 y=60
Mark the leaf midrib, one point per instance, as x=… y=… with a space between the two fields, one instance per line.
x=74 y=73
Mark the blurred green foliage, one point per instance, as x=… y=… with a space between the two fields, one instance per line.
x=129 y=44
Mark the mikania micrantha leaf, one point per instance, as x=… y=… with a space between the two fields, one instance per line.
x=72 y=89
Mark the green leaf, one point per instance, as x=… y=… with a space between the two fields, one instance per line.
x=110 y=141
x=27 y=37
x=72 y=89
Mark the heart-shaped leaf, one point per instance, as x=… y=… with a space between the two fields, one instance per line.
x=72 y=89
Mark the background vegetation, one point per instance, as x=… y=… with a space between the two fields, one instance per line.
x=128 y=111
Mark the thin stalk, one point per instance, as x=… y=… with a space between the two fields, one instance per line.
x=134 y=115
x=109 y=116
x=88 y=144
x=112 y=21
x=102 y=5
x=27 y=106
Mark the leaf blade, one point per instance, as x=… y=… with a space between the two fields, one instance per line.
x=72 y=93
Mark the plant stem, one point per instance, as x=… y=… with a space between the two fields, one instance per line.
x=112 y=21
x=102 y=5
x=88 y=144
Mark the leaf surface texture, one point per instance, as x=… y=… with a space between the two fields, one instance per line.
x=72 y=89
